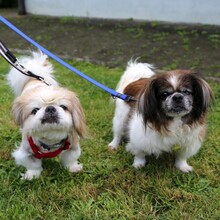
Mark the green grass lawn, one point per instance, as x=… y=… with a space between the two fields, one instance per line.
x=109 y=187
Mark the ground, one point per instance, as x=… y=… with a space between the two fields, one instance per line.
x=114 y=43
x=109 y=187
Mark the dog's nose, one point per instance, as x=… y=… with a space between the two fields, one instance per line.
x=50 y=116
x=177 y=97
x=50 y=109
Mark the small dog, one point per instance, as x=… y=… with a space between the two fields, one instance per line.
x=50 y=117
x=170 y=110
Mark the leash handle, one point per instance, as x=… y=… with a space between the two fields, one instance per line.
x=6 y=53
x=11 y=59
x=48 y=53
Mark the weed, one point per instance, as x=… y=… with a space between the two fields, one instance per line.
x=185 y=39
x=215 y=39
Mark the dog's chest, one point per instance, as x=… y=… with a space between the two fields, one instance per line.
x=178 y=130
x=179 y=134
x=154 y=142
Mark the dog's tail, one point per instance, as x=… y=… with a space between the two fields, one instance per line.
x=133 y=72
x=38 y=64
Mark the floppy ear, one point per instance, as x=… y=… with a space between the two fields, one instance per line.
x=149 y=104
x=18 y=111
x=78 y=118
x=202 y=95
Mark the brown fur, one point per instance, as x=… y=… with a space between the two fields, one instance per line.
x=49 y=95
x=147 y=91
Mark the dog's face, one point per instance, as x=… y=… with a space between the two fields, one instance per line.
x=175 y=94
x=49 y=113
x=176 y=98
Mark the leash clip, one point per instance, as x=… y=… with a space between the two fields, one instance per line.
x=13 y=61
x=126 y=99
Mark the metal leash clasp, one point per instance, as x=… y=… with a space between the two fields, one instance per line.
x=126 y=99
x=13 y=61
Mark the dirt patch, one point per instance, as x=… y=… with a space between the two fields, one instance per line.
x=113 y=43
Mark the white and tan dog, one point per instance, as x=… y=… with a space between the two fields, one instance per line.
x=50 y=117
x=170 y=110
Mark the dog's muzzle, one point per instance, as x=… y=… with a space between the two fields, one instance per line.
x=50 y=115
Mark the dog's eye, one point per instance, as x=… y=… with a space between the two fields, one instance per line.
x=187 y=92
x=34 y=111
x=164 y=95
x=63 y=107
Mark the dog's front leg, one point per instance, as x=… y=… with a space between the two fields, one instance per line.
x=185 y=153
x=32 y=164
x=69 y=159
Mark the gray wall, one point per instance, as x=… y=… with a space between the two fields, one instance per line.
x=186 y=11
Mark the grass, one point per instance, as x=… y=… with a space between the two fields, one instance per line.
x=109 y=187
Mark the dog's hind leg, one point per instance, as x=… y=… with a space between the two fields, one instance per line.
x=119 y=123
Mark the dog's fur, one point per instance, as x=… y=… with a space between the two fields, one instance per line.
x=48 y=114
x=171 y=110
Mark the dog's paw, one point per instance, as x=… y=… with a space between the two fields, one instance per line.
x=113 y=145
x=139 y=162
x=186 y=168
x=30 y=174
x=75 y=168
x=183 y=166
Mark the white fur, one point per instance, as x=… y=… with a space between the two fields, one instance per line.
x=134 y=72
x=174 y=81
x=147 y=141
x=50 y=133
x=36 y=64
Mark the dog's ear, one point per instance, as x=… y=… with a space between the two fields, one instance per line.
x=149 y=105
x=18 y=111
x=202 y=94
x=78 y=117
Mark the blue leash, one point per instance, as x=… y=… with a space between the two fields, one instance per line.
x=105 y=88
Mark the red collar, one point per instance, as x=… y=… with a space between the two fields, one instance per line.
x=38 y=154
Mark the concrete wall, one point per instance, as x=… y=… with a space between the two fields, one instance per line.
x=185 y=11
